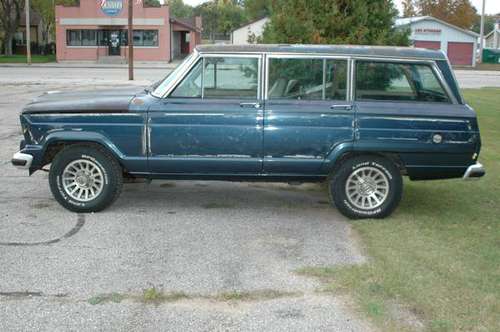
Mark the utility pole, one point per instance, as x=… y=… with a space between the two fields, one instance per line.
x=131 y=40
x=28 y=32
x=481 y=34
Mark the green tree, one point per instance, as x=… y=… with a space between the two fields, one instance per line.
x=10 y=17
x=257 y=8
x=409 y=8
x=334 y=22
x=457 y=12
x=152 y=3
x=179 y=9
x=46 y=10
x=489 y=23
x=220 y=17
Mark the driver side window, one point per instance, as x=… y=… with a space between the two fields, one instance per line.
x=221 y=77
x=190 y=87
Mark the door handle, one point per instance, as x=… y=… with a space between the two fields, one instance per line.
x=341 y=107
x=250 y=105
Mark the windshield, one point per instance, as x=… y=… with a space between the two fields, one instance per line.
x=159 y=88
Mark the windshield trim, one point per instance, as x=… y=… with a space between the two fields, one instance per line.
x=179 y=72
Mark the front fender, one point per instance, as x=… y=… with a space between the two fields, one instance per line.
x=82 y=136
x=38 y=151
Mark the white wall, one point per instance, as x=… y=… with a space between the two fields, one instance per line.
x=240 y=36
x=446 y=34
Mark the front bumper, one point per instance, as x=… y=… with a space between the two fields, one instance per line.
x=22 y=160
x=474 y=172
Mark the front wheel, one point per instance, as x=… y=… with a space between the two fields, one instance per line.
x=366 y=187
x=85 y=178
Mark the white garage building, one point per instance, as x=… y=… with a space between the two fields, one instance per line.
x=428 y=32
x=248 y=33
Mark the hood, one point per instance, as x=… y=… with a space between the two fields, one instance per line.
x=100 y=101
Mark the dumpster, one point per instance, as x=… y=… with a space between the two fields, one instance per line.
x=491 y=55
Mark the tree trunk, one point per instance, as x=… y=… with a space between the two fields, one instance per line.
x=8 y=43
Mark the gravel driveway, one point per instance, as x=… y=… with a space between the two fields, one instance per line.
x=211 y=255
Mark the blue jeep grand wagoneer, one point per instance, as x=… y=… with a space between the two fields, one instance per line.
x=356 y=117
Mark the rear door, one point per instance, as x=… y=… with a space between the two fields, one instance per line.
x=405 y=108
x=307 y=112
x=211 y=123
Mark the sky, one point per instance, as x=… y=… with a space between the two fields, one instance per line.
x=492 y=6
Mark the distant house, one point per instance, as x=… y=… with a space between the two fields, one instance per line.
x=429 y=32
x=38 y=36
x=250 y=32
x=492 y=39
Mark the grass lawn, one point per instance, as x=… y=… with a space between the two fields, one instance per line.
x=438 y=257
x=22 y=58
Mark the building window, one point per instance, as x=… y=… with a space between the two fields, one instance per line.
x=89 y=37
x=145 y=37
x=138 y=37
x=150 y=38
x=74 y=37
x=103 y=37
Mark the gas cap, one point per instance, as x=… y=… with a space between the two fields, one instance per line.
x=437 y=138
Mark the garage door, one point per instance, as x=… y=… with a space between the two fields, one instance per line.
x=460 y=53
x=433 y=45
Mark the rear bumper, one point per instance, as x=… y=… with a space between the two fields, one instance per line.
x=474 y=172
x=22 y=160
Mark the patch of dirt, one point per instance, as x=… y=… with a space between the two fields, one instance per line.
x=405 y=316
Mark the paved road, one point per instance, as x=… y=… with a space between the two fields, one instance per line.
x=224 y=253
x=473 y=79
x=145 y=76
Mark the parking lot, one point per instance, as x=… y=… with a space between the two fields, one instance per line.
x=169 y=255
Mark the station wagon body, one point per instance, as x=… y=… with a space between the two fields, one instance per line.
x=266 y=112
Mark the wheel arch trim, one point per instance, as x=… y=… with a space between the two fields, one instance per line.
x=347 y=150
x=75 y=137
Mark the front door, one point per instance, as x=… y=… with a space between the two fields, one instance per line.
x=211 y=123
x=114 y=42
x=307 y=113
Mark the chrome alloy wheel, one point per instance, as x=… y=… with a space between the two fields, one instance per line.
x=83 y=180
x=367 y=188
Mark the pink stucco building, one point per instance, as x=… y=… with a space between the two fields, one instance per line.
x=96 y=30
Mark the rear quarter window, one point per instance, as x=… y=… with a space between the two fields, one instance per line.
x=394 y=81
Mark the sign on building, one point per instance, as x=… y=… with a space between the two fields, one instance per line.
x=111 y=7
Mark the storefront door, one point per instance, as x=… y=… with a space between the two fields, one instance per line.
x=184 y=43
x=114 y=42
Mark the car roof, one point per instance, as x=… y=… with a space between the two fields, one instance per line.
x=352 y=50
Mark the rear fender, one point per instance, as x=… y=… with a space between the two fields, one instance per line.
x=349 y=149
x=335 y=156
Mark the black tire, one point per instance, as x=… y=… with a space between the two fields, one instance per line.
x=111 y=171
x=388 y=200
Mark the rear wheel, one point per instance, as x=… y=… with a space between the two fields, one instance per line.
x=366 y=187
x=85 y=178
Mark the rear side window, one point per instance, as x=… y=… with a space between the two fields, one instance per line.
x=398 y=82
x=307 y=79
